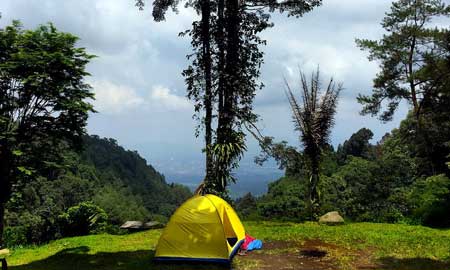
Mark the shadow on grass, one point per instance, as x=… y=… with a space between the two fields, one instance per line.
x=391 y=263
x=79 y=259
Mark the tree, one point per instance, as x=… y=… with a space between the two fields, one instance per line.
x=43 y=102
x=430 y=201
x=286 y=156
x=357 y=145
x=402 y=52
x=246 y=206
x=222 y=77
x=314 y=118
x=427 y=139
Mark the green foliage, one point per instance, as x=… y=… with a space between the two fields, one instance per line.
x=83 y=219
x=35 y=209
x=118 y=181
x=410 y=40
x=246 y=207
x=121 y=205
x=226 y=157
x=383 y=182
x=361 y=190
x=358 y=146
x=314 y=117
x=286 y=156
x=430 y=201
x=15 y=236
x=44 y=104
x=113 y=164
x=285 y=200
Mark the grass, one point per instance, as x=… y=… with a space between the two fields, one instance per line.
x=392 y=246
x=397 y=240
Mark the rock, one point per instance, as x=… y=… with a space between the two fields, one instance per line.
x=331 y=218
x=4 y=253
x=139 y=225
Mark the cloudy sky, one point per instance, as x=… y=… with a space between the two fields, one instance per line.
x=141 y=94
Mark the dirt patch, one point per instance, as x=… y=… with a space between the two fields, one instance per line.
x=282 y=255
x=313 y=253
x=307 y=255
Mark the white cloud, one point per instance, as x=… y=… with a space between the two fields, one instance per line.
x=112 y=98
x=140 y=63
x=162 y=97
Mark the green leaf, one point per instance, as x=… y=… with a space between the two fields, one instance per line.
x=17 y=153
x=25 y=170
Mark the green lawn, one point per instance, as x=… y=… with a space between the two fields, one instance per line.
x=388 y=246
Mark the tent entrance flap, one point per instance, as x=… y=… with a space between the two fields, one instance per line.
x=232 y=241
x=230 y=234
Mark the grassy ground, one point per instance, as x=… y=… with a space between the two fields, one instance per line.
x=387 y=246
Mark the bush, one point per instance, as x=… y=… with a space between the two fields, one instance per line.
x=246 y=207
x=285 y=200
x=26 y=228
x=430 y=201
x=15 y=236
x=120 y=204
x=83 y=219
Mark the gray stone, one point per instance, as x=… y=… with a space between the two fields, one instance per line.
x=331 y=218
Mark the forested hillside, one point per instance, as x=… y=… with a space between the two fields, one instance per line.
x=399 y=179
x=104 y=178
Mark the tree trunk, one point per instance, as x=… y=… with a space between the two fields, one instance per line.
x=314 y=200
x=228 y=44
x=232 y=63
x=229 y=78
x=5 y=184
x=206 y=13
x=2 y=218
x=220 y=39
x=421 y=131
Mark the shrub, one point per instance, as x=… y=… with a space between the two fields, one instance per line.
x=430 y=201
x=15 y=236
x=285 y=200
x=83 y=219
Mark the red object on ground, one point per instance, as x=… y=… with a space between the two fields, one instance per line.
x=248 y=240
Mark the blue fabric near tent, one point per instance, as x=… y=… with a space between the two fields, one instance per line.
x=255 y=244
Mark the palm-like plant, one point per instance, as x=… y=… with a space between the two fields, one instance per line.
x=314 y=118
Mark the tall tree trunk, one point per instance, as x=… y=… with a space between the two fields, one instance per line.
x=206 y=13
x=228 y=44
x=220 y=40
x=314 y=201
x=232 y=63
x=2 y=218
x=421 y=130
x=5 y=184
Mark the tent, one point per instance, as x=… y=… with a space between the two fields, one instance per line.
x=204 y=228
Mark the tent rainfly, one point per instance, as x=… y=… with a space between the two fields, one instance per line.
x=204 y=228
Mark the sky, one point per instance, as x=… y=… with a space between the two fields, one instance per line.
x=140 y=93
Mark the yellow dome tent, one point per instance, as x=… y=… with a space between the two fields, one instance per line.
x=204 y=228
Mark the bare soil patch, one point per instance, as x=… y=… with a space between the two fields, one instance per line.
x=307 y=255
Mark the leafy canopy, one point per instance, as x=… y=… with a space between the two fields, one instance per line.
x=410 y=39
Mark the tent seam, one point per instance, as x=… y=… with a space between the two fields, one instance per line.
x=221 y=221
